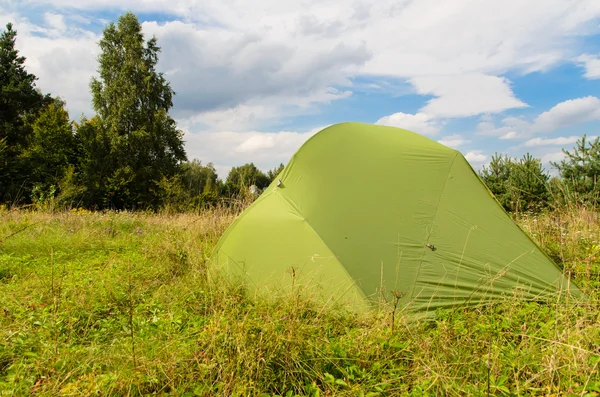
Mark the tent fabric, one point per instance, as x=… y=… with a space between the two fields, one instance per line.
x=364 y=213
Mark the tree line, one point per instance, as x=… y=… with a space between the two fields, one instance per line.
x=130 y=154
x=522 y=185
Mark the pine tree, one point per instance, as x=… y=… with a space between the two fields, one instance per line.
x=580 y=171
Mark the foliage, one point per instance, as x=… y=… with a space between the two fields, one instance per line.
x=120 y=303
x=195 y=187
x=52 y=146
x=19 y=103
x=518 y=185
x=133 y=135
x=198 y=178
x=580 y=171
x=94 y=146
x=273 y=173
x=70 y=191
x=241 y=178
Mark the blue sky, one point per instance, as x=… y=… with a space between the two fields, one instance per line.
x=254 y=80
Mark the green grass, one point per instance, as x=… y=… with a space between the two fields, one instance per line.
x=124 y=304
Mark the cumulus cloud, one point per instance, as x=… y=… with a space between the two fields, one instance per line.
x=420 y=123
x=245 y=66
x=591 y=64
x=221 y=54
x=226 y=149
x=564 y=114
x=216 y=70
x=255 y=113
x=509 y=128
x=552 y=157
x=62 y=57
x=476 y=158
x=573 y=111
x=426 y=38
x=466 y=95
x=551 y=141
x=454 y=141
x=509 y=135
x=55 y=21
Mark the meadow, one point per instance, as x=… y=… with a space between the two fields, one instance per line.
x=125 y=304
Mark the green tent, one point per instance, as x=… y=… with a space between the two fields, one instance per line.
x=366 y=214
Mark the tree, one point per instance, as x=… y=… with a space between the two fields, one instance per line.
x=198 y=179
x=496 y=176
x=51 y=147
x=195 y=186
x=272 y=174
x=138 y=140
x=20 y=102
x=94 y=161
x=580 y=171
x=528 y=185
x=518 y=185
x=241 y=178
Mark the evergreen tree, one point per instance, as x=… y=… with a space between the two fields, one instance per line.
x=528 y=185
x=580 y=171
x=20 y=102
x=496 y=176
x=518 y=185
x=272 y=174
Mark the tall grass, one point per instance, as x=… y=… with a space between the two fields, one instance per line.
x=120 y=304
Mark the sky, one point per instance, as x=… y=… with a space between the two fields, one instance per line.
x=255 y=79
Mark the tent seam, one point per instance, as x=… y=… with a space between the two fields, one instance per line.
x=437 y=206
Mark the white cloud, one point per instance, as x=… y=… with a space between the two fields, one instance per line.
x=245 y=66
x=476 y=157
x=62 y=57
x=552 y=157
x=218 y=71
x=56 y=21
x=573 y=111
x=564 y=114
x=591 y=64
x=223 y=54
x=257 y=112
x=466 y=95
x=420 y=123
x=510 y=128
x=454 y=141
x=226 y=149
x=509 y=135
x=551 y=141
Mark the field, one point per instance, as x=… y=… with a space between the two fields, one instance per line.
x=125 y=304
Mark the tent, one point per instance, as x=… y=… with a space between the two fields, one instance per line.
x=364 y=214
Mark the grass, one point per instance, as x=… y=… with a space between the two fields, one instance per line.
x=121 y=304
